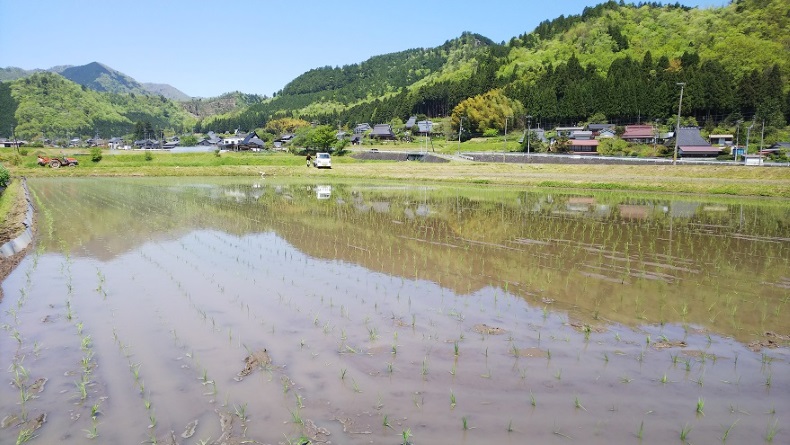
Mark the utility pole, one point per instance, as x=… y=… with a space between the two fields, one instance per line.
x=762 y=136
x=504 y=147
x=460 y=129
x=677 y=128
x=748 y=133
x=529 y=132
x=737 y=137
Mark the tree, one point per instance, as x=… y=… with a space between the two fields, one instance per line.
x=189 y=141
x=322 y=137
x=139 y=130
x=487 y=111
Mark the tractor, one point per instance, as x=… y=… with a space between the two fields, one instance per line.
x=57 y=162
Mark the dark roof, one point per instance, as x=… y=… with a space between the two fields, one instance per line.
x=690 y=137
x=361 y=128
x=254 y=141
x=249 y=137
x=777 y=145
x=382 y=131
x=412 y=120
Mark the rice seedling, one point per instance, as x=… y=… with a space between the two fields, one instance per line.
x=577 y=403
x=241 y=411
x=465 y=423
x=684 y=432
x=25 y=435
x=95 y=411
x=640 y=432
x=700 y=406
x=532 y=400
x=424 y=370
x=82 y=389
x=92 y=433
x=385 y=422
x=727 y=430
x=406 y=435
x=296 y=417
x=452 y=399
x=510 y=426
x=343 y=374
x=771 y=431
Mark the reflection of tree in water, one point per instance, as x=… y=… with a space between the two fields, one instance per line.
x=620 y=257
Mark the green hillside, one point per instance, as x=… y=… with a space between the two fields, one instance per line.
x=612 y=62
x=48 y=105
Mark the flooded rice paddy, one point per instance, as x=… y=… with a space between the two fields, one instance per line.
x=258 y=311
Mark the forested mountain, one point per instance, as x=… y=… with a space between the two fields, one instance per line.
x=102 y=78
x=99 y=77
x=613 y=62
x=229 y=102
x=168 y=91
x=46 y=104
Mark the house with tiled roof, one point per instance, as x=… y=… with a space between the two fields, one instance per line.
x=692 y=144
x=382 y=131
x=639 y=134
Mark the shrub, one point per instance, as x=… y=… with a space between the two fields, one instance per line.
x=5 y=176
x=23 y=151
x=148 y=156
x=490 y=132
x=96 y=154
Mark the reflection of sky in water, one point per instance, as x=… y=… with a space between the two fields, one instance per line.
x=602 y=246
x=361 y=298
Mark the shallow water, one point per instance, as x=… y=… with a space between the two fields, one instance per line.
x=549 y=318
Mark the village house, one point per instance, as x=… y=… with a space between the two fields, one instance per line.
x=383 y=131
x=362 y=128
x=692 y=144
x=565 y=132
x=721 y=140
x=639 y=134
x=584 y=146
x=598 y=128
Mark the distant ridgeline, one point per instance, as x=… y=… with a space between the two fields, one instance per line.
x=614 y=62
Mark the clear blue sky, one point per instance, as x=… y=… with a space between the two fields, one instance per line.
x=206 y=48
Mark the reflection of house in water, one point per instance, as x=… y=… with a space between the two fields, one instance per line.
x=422 y=211
x=323 y=191
x=580 y=204
x=630 y=211
x=683 y=209
x=380 y=206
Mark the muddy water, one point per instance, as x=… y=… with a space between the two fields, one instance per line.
x=365 y=311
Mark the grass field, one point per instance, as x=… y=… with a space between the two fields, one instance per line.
x=703 y=179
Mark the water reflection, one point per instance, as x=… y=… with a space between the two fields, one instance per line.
x=634 y=260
